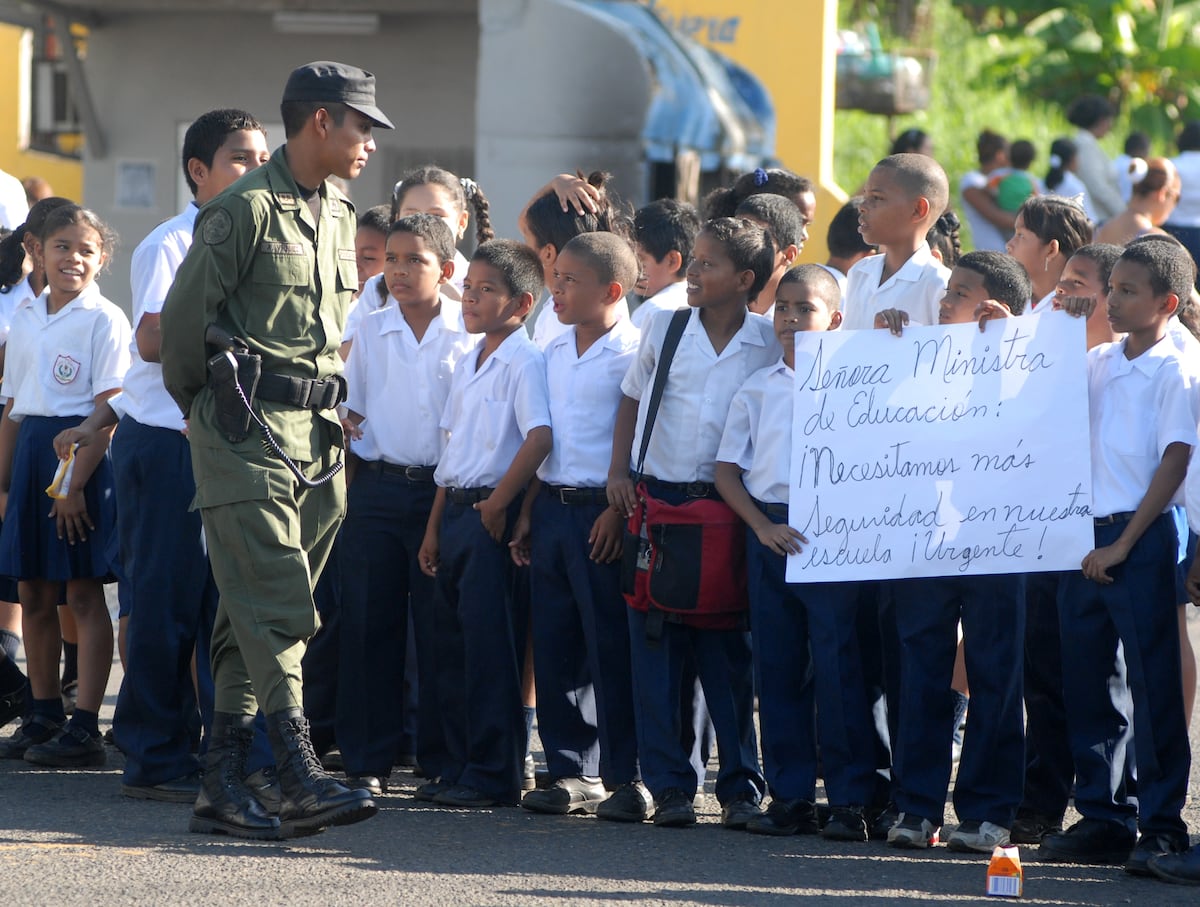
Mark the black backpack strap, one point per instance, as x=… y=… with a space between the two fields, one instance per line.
x=675 y=330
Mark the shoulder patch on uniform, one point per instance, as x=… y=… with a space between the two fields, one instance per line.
x=346 y=255
x=217 y=227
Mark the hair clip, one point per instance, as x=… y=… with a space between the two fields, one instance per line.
x=470 y=187
x=1055 y=161
x=1138 y=168
x=761 y=177
x=396 y=189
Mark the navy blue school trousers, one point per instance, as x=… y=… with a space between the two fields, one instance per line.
x=1137 y=611
x=477 y=665
x=172 y=602
x=724 y=662
x=879 y=651
x=806 y=658
x=1049 y=769
x=386 y=515
x=991 y=769
x=580 y=647
x=319 y=666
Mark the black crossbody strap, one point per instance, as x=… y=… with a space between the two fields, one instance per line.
x=675 y=330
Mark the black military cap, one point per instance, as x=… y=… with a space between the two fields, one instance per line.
x=336 y=82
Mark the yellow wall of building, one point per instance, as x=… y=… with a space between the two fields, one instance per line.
x=64 y=175
x=791 y=46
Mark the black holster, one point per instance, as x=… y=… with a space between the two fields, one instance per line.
x=233 y=376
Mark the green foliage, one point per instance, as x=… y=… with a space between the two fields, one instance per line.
x=962 y=105
x=1141 y=54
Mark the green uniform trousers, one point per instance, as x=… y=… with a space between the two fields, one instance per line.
x=268 y=540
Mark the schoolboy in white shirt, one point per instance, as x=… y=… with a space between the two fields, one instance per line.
x=580 y=631
x=663 y=232
x=1143 y=416
x=498 y=417
x=722 y=345
x=398 y=380
x=904 y=196
x=790 y=621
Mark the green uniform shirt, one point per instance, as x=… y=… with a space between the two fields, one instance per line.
x=263 y=270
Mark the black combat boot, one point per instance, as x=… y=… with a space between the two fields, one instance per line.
x=310 y=798
x=225 y=805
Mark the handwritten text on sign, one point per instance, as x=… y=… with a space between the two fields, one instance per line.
x=943 y=452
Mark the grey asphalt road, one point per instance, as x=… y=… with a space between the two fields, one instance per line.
x=70 y=838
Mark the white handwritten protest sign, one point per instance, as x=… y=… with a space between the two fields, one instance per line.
x=943 y=452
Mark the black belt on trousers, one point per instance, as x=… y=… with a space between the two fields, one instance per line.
x=418 y=475
x=468 y=495
x=570 y=494
x=691 y=489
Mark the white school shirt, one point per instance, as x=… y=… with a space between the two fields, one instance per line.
x=984 y=234
x=14 y=208
x=671 y=297
x=17 y=295
x=1136 y=408
x=1187 y=209
x=917 y=288
x=695 y=401
x=1189 y=347
x=400 y=385
x=491 y=410
x=1045 y=304
x=57 y=364
x=151 y=272
x=758 y=432
x=585 y=392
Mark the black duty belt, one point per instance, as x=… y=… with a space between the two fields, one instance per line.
x=570 y=494
x=468 y=495
x=306 y=393
x=417 y=475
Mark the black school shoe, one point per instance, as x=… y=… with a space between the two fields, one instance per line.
x=740 y=811
x=72 y=747
x=674 y=809
x=846 y=823
x=12 y=705
x=1088 y=841
x=1178 y=868
x=566 y=795
x=628 y=803
x=1153 y=845
x=786 y=817
x=1033 y=827
x=33 y=730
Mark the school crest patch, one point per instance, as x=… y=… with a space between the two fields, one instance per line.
x=217 y=227
x=66 y=369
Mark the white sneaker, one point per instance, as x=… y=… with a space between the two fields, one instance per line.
x=980 y=837
x=912 y=831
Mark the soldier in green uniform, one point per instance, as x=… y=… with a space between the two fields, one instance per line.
x=270 y=277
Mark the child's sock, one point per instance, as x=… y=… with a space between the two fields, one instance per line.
x=88 y=721
x=9 y=643
x=11 y=676
x=70 y=673
x=49 y=708
x=530 y=713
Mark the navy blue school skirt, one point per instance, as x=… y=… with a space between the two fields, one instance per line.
x=29 y=543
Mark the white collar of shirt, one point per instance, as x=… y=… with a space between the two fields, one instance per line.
x=503 y=353
x=745 y=334
x=1045 y=304
x=669 y=293
x=448 y=318
x=88 y=298
x=617 y=338
x=22 y=293
x=1148 y=362
x=913 y=269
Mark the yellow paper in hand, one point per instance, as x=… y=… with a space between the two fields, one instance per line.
x=61 y=486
